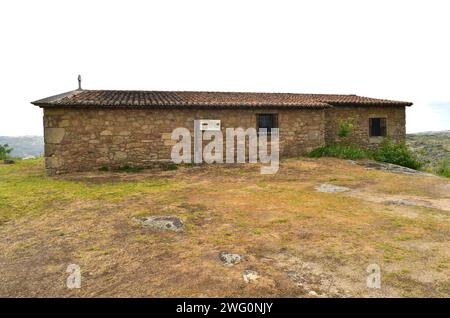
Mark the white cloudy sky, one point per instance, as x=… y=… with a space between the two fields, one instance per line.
x=386 y=49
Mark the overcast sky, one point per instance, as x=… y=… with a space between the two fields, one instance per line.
x=385 y=49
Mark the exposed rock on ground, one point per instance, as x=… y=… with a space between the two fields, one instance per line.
x=326 y=187
x=310 y=277
x=164 y=223
x=230 y=259
x=408 y=202
x=391 y=168
x=250 y=275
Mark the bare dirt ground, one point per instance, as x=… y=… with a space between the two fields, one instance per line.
x=301 y=242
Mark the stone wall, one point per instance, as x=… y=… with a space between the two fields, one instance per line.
x=395 y=120
x=87 y=139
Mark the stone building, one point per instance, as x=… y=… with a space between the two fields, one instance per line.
x=89 y=129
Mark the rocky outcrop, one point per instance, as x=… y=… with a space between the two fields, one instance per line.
x=330 y=188
x=230 y=259
x=391 y=168
x=163 y=223
x=250 y=275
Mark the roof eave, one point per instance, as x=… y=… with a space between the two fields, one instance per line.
x=44 y=102
x=391 y=104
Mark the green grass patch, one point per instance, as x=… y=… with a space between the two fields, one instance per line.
x=391 y=252
x=25 y=190
x=408 y=237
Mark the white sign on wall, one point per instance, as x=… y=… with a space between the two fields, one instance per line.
x=209 y=124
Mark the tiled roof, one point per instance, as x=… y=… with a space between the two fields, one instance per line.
x=118 y=98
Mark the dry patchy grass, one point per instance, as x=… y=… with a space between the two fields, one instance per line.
x=296 y=238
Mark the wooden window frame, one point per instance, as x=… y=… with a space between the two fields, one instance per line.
x=274 y=121
x=382 y=128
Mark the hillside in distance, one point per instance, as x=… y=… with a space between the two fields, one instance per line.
x=24 y=146
x=430 y=147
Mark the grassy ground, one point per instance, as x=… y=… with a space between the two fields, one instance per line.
x=298 y=240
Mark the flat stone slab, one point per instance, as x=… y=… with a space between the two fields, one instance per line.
x=250 y=275
x=391 y=168
x=230 y=259
x=407 y=202
x=54 y=135
x=163 y=223
x=331 y=188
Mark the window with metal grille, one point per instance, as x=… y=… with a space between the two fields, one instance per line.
x=377 y=127
x=267 y=121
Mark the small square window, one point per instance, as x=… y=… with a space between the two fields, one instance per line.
x=377 y=127
x=267 y=121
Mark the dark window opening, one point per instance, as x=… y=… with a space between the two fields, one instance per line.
x=377 y=127
x=267 y=121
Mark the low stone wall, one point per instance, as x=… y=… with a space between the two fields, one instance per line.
x=395 y=119
x=87 y=139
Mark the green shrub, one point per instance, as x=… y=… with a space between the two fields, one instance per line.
x=396 y=153
x=345 y=127
x=171 y=166
x=5 y=150
x=444 y=168
x=103 y=168
x=340 y=151
x=128 y=168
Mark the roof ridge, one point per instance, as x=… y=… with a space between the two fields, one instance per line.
x=212 y=91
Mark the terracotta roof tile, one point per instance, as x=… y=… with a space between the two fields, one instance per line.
x=117 y=98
